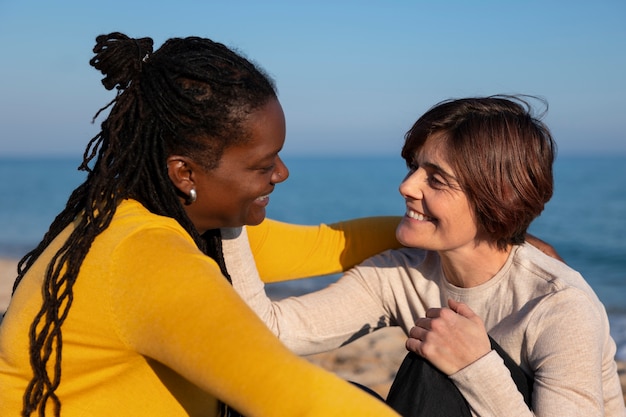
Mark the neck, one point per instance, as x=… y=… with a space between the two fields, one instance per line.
x=470 y=267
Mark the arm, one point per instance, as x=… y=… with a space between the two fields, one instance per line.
x=564 y=352
x=179 y=310
x=286 y=251
x=315 y=322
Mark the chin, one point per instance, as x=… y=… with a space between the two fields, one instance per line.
x=409 y=243
x=255 y=220
x=404 y=236
x=411 y=239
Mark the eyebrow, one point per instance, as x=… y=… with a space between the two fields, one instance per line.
x=271 y=154
x=438 y=169
x=267 y=157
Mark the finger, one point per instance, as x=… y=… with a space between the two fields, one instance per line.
x=414 y=345
x=433 y=313
x=418 y=332
x=416 y=338
x=425 y=323
x=461 y=309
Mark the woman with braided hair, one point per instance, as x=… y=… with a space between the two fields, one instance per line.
x=125 y=307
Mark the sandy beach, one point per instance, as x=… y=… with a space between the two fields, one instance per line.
x=371 y=360
x=8 y=272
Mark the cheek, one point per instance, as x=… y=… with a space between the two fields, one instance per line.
x=464 y=224
x=466 y=213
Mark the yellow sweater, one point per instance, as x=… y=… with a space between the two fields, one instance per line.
x=156 y=330
x=284 y=251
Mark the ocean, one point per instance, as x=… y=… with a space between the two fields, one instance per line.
x=585 y=221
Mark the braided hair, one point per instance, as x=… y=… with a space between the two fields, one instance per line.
x=190 y=97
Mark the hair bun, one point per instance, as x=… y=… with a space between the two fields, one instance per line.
x=120 y=58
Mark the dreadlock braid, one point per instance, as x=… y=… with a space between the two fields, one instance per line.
x=190 y=97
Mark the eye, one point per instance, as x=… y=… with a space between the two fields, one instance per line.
x=268 y=168
x=436 y=181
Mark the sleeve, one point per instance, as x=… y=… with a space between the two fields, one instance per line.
x=315 y=322
x=286 y=251
x=565 y=354
x=175 y=306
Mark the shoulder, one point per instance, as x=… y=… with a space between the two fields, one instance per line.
x=557 y=275
x=131 y=213
x=557 y=289
x=133 y=221
x=137 y=232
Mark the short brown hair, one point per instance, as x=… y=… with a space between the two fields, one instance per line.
x=502 y=156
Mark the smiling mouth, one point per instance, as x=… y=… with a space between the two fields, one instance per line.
x=263 y=197
x=417 y=216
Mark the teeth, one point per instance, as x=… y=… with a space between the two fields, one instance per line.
x=263 y=197
x=417 y=216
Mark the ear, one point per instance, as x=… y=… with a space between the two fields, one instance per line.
x=180 y=171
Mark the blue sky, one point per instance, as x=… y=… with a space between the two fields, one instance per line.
x=352 y=75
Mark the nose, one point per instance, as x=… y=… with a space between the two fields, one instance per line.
x=281 y=172
x=411 y=186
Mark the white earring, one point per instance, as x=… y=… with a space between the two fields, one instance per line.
x=193 y=195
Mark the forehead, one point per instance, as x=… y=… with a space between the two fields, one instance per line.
x=434 y=150
x=268 y=119
x=265 y=128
